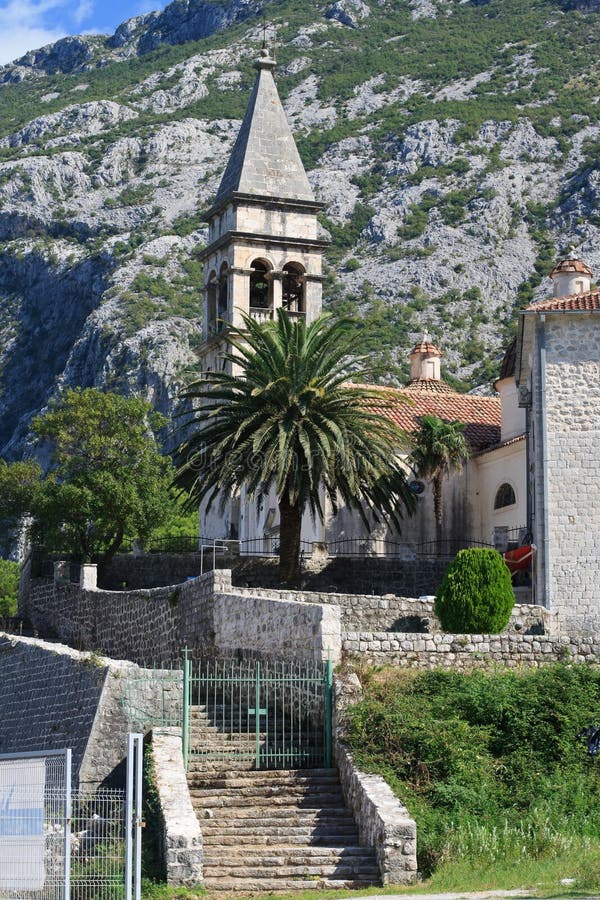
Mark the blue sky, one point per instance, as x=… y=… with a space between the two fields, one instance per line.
x=29 y=24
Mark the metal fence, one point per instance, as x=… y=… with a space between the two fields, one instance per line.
x=259 y=714
x=61 y=844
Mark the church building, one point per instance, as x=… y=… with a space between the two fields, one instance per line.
x=534 y=467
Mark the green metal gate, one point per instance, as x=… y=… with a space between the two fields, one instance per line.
x=256 y=714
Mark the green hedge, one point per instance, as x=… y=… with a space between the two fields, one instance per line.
x=476 y=595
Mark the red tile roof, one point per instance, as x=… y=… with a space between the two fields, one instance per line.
x=569 y=265
x=508 y=443
x=430 y=396
x=427 y=347
x=587 y=302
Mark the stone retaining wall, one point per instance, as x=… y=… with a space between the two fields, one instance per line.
x=383 y=822
x=206 y=614
x=362 y=612
x=182 y=837
x=54 y=697
x=467 y=651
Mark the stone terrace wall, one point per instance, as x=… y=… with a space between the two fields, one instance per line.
x=206 y=615
x=466 y=651
x=54 y=697
x=400 y=614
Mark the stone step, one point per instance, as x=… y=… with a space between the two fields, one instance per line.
x=223 y=782
x=214 y=830
x=255 y=797
x=260 y=885
x=276 y=774
x=284 y=855
x=300 y=839
x=289 y=812
x=297 y=870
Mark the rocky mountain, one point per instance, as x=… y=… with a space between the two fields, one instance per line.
x=454 y=141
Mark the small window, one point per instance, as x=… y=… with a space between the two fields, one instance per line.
x=211 y=296
x=505 y=496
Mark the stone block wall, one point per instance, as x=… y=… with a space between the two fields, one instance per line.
x=571 y=557
x=467 y=651
x=206 y=614
x=182 y=837
x=400 y=614
x=54 y=697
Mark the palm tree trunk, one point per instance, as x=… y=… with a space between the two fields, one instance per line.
x=290 y=523
x=438 y=508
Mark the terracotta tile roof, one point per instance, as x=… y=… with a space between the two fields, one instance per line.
x=430 y=396
x=569 y=265
x=587 y=302
x=508 y=443
x=427 y=347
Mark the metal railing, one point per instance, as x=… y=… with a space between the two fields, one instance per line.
x=258 y=714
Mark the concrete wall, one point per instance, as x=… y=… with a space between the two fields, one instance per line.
x=54 y=697
x=207 y=615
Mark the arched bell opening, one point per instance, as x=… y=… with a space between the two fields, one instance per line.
x=293 y=288
x=223 y=294
x=261 y=293
x=211 y=303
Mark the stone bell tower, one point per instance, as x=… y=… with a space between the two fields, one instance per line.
x=263 y=252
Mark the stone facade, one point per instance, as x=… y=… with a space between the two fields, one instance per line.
x=564 y=441
x=466 y=651
x=55 y=697
x=206 y=614
x=182 y=838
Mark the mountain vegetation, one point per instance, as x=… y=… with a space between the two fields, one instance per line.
x=454 y=143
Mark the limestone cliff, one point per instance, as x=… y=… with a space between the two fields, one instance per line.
x=454 y=143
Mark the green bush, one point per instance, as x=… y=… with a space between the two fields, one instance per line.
x=476 y=595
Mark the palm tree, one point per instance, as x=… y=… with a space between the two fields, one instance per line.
x=289 y=419
x=439 y=448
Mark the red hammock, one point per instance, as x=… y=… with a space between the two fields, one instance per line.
x=518 y=560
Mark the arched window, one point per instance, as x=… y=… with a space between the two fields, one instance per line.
x=293 y=288
x=211 y=302
x=260 y=286
x=223 y=293
x=505 y=496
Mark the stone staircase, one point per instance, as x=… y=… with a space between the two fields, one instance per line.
x=274 y=830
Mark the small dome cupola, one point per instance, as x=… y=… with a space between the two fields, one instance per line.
x=571 y=276
x=425 y=360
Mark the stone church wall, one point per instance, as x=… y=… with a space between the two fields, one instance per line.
x=573 y=469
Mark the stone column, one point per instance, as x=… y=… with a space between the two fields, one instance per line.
x=88 y=577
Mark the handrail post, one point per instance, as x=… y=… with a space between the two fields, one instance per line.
x=328 y=713
x=257 y=716
x=185 y=719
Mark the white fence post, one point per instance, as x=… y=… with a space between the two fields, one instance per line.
x=68 y=815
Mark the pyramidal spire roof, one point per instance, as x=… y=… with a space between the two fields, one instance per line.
x=265 y=160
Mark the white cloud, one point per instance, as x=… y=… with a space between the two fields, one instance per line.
x=25 y=25
x=83 y=11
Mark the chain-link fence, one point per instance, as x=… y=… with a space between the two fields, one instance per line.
x=60 y=844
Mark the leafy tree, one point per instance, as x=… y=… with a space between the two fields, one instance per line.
x=289 y=419
x=476 y=594
x=9 y=585
x=19 y=484
x=107 y=476
x=439 y=449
